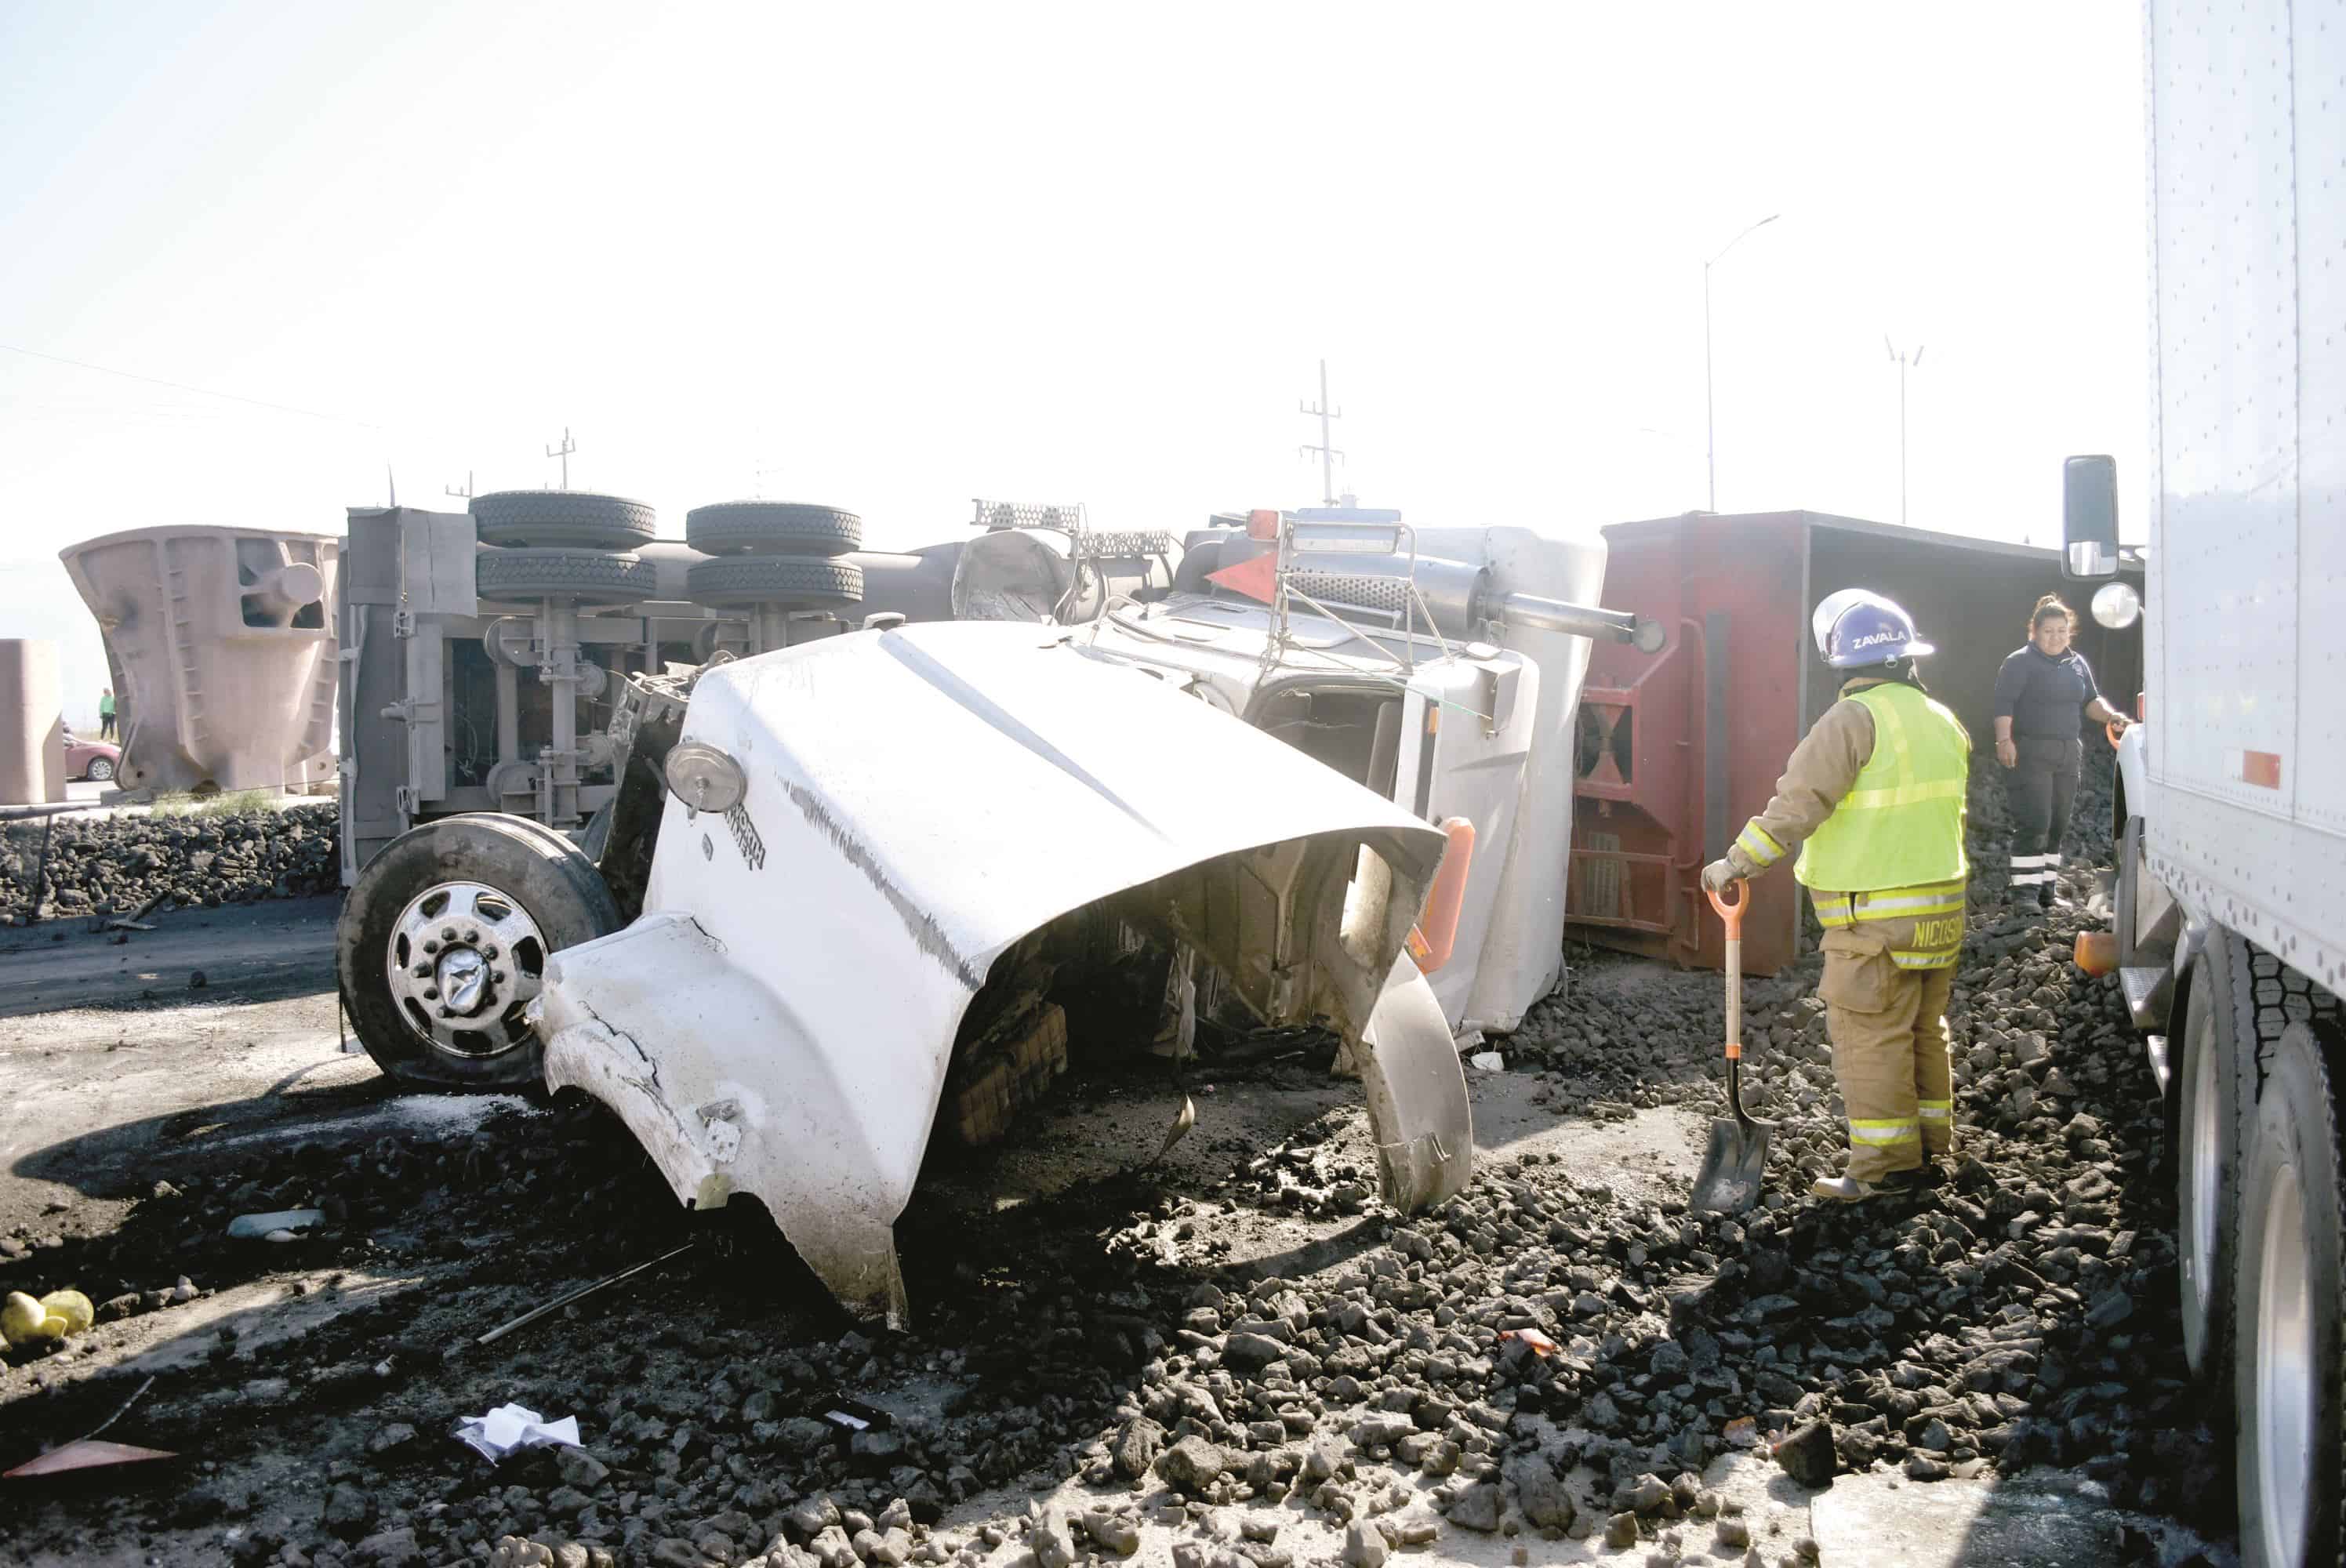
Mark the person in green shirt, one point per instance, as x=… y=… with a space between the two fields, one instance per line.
x=106 y=714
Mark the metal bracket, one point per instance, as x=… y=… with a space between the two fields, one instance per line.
x=403 y=622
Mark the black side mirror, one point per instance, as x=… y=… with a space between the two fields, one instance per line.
x=2089 y=518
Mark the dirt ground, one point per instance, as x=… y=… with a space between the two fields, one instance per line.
x=139 y=1110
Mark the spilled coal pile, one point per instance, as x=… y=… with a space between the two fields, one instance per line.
x=1542 y=1355
x=117 y=863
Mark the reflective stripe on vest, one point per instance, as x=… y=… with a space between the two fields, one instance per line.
x=1900 y=829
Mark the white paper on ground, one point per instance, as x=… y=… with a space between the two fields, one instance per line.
x=511 y=1427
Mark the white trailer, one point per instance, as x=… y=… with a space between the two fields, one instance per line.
x=2230 y=898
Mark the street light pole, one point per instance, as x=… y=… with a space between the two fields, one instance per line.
x=1710 y=417
x=1903 y=361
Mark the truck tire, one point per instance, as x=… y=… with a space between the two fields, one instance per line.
x=777 y=527
x=514 y=893
x=2215 y=1087
x=589 y=576
x=562 y=520
x=785 y=582
x=2291 y=1458
x=554 y=839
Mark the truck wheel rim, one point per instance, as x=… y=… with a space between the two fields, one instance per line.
x=2284 y=1373
x=465 y=960
x=2205 y=1153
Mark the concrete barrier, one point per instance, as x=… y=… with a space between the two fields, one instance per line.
x=32 y=724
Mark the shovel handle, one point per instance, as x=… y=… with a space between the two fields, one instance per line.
x=1732 y=913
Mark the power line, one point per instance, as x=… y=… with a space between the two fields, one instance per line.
x=199 y=392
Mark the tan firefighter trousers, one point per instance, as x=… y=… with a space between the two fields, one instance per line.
x=1885 y=990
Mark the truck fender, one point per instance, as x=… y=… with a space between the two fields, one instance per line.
x=1416 y=1091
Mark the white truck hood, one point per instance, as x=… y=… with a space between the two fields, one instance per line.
x=780 y=1020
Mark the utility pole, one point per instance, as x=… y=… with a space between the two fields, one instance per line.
x=463 y=495
x=1328 y=453
x=564 y=452
x=1710 y=419
x=1904 y=361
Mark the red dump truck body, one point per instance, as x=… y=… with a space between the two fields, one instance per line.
x=1677 y=750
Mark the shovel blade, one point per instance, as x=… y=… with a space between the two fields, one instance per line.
x=1733 y=1167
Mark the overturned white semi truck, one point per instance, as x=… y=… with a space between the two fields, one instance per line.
x=835 y=889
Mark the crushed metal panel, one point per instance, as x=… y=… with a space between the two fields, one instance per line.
x=728 y=1089
x=923 y=799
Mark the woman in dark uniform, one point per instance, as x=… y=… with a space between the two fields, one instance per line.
x=2043 y=693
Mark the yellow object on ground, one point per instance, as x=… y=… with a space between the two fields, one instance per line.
x=23 y=1320
x=72 y=1306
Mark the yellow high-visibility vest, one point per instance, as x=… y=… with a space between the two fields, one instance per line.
x=1901 y=824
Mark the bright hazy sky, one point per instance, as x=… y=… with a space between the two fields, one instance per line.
x=889 y=258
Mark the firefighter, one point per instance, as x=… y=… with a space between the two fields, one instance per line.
x=1874 y=799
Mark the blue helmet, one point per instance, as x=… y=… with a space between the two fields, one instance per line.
x=1857 y=626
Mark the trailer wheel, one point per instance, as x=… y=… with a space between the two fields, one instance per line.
x=781 y=527
x=589 y=576
x=2286 y=1392
x=785 y=582
x=562 y=520
x=2215 y=1081
x=442 y=944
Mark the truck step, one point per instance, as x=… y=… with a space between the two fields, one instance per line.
x=2148 y=989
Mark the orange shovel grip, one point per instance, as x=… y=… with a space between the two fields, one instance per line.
x=1732 y=913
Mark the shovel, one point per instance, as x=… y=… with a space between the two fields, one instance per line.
x=1734 y=1164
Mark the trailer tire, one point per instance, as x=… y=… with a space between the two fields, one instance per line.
x=785 y=582
x=777 y=527
x=589 y=576
x=562 y=520
x=519 y=878
x=2291 y=1381
x=2215 y=1090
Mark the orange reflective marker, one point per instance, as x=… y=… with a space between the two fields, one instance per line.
x=1436 y=931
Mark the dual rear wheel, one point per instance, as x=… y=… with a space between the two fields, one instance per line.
x=2261 y=1238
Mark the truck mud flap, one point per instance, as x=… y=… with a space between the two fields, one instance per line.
x=1409 y=1069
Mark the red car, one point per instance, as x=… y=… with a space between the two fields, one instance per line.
x=91 y=759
